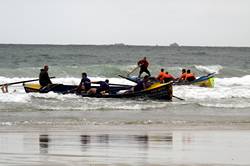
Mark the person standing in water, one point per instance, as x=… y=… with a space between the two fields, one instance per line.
x=5 y=88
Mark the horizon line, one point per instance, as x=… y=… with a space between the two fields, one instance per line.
x=123 y=45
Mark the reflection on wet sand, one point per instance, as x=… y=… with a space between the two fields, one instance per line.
x=44 y=143
x=85 y=139
x=124 y=149
x=103 y=138
x=142 y=141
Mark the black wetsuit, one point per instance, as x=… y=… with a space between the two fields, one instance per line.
x=44 y=79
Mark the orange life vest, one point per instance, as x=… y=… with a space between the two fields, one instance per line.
x=183 y=76
x=190 y=77
x=168 y=76
x=161 y=76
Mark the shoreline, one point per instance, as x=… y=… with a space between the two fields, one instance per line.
x=123 y=128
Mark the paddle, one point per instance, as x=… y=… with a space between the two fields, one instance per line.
x=178 y=98
x=19 y=82
x=48 y=88
x=132 y=70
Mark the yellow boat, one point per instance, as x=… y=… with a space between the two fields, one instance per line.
x=203 y=81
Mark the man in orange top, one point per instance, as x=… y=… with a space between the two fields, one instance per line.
x=143 y=66
x=183 y=75
x=160 y=77
x=189 y=76
x=168 y=77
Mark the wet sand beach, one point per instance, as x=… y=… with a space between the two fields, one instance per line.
x=124 y=145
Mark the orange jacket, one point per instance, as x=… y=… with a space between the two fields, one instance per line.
x=168 y=76
x=183 y=76
x=161 y=76
x=189 y=75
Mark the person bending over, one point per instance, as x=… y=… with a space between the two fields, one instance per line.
x=103 y=89
x=142 y=84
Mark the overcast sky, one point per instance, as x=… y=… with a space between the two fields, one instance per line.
x=137 y=22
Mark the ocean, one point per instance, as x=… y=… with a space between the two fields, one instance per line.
x=107 y=125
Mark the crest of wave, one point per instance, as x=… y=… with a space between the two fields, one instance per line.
x=209 y=69
x=234 y=81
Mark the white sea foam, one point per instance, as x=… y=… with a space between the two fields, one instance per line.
x=225 y=89
x=14 y=98
x=233 y=81
x=209 y=69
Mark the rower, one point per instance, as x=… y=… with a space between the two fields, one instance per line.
x=44 y=79
x=103 y=89
x=142 y=84
x=160 y=76
x=168 y=77
x=183 y=75
x=189 y=76
x=85 y=83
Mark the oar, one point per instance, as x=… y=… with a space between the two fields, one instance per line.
x=19 y=82
x=98 y=82
x=178 y=98
x=130 y=79
x=132 y=70
x=48 y=88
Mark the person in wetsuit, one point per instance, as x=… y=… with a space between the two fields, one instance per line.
x=143 y=63
x=44 y=79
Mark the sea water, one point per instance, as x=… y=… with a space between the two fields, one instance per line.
x=226 y=106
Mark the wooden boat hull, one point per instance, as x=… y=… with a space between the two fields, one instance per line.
x=63 y=89
x=156 y=91
x=57 y=88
